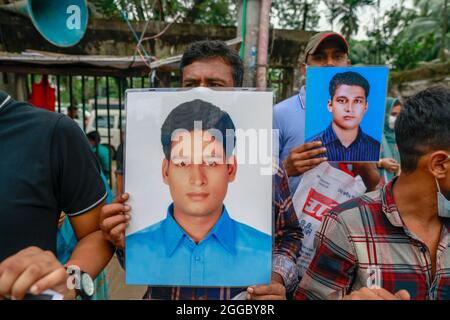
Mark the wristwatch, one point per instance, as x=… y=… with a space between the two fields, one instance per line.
x=84 y=285
x=87 y=287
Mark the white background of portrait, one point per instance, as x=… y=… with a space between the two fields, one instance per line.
x=249 y=197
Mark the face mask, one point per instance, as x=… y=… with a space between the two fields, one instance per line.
x=443 y=202
x=391 y=122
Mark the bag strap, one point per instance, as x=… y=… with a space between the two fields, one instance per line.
x=343 y=167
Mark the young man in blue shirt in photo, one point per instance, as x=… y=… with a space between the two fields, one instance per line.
x=344 y=139
x=198 y=244
x=213 y=64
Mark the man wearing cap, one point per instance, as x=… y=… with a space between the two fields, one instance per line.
x=324 y=49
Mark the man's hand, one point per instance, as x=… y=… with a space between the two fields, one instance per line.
x=389 y=164
x=302 y=158
x=31 y=270
x=274 y=291
x=114 y=219
x=377 y=294
x=369 y=174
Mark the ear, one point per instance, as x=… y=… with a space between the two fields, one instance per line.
x=330 y=106
x=165 y=171
x=232 y=168
x=349 y=62
x=439 y=164
x=303 y=69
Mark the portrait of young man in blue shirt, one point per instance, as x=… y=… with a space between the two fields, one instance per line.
x=344 y=139
x=198 y=243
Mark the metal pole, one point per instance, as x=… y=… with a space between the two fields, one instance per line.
x=109 y=129
x=119 y=83
x=263 y=44
x=251 y=42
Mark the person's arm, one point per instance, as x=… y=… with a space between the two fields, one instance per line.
x=332 y=269
x=287 y=245
x=368 y=173
x=79 y=191
x=92 y=252
x=288 y=233
x=81 y=194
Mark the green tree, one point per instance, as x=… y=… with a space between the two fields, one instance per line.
x=218 y=12
x=348 y=16
x=333 y=7
x=432 y=21
x=296 y=14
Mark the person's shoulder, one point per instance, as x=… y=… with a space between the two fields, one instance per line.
x=352 y=212
x=289 y=103
x=153 y=231
x=33 y=113
x=248 y=234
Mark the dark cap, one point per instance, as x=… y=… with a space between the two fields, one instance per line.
x=318 y=38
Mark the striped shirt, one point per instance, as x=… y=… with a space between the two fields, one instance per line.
x=287 y=243
x=364 y=148
x=364 y=242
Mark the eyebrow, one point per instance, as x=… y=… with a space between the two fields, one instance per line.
x=361 y=97
x=198 y=80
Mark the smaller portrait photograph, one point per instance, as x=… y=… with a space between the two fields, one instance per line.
x=345 y=111
x=201 y=200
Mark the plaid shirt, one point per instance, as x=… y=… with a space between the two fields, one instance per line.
x=284 y=256
x=364 y=242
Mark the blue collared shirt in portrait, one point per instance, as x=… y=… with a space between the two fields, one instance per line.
x=364 y=148
x=232 y=254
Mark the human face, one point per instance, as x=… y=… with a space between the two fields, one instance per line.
x=396 y=110
x=328 y=54
x=198 y=177
x=348 y=106
x=210 y=72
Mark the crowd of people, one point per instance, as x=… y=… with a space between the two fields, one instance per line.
x=392 y=243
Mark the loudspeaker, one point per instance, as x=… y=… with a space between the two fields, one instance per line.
x=61 y=22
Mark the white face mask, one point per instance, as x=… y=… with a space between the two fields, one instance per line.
x=391 y=122
x=442 y=202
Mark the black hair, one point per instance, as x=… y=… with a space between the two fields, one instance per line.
x=94 y=136
x=214 y=49
x=423 y=125
x=211 y=117
x=348 y=78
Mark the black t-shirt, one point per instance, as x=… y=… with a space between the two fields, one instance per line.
x=46 y=166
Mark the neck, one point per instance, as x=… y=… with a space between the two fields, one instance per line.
x=345 y=136
x=197 y=227
x=423 y=208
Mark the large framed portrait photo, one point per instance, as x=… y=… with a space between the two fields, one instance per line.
x=198 y=167
x=345 y=111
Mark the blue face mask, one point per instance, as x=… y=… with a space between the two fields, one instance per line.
x=443 y=202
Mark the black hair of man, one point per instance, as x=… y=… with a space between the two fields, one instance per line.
x=208 y=49
x=210 y=116
x=349 y=78
x=94 y=136
x=423 y=125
